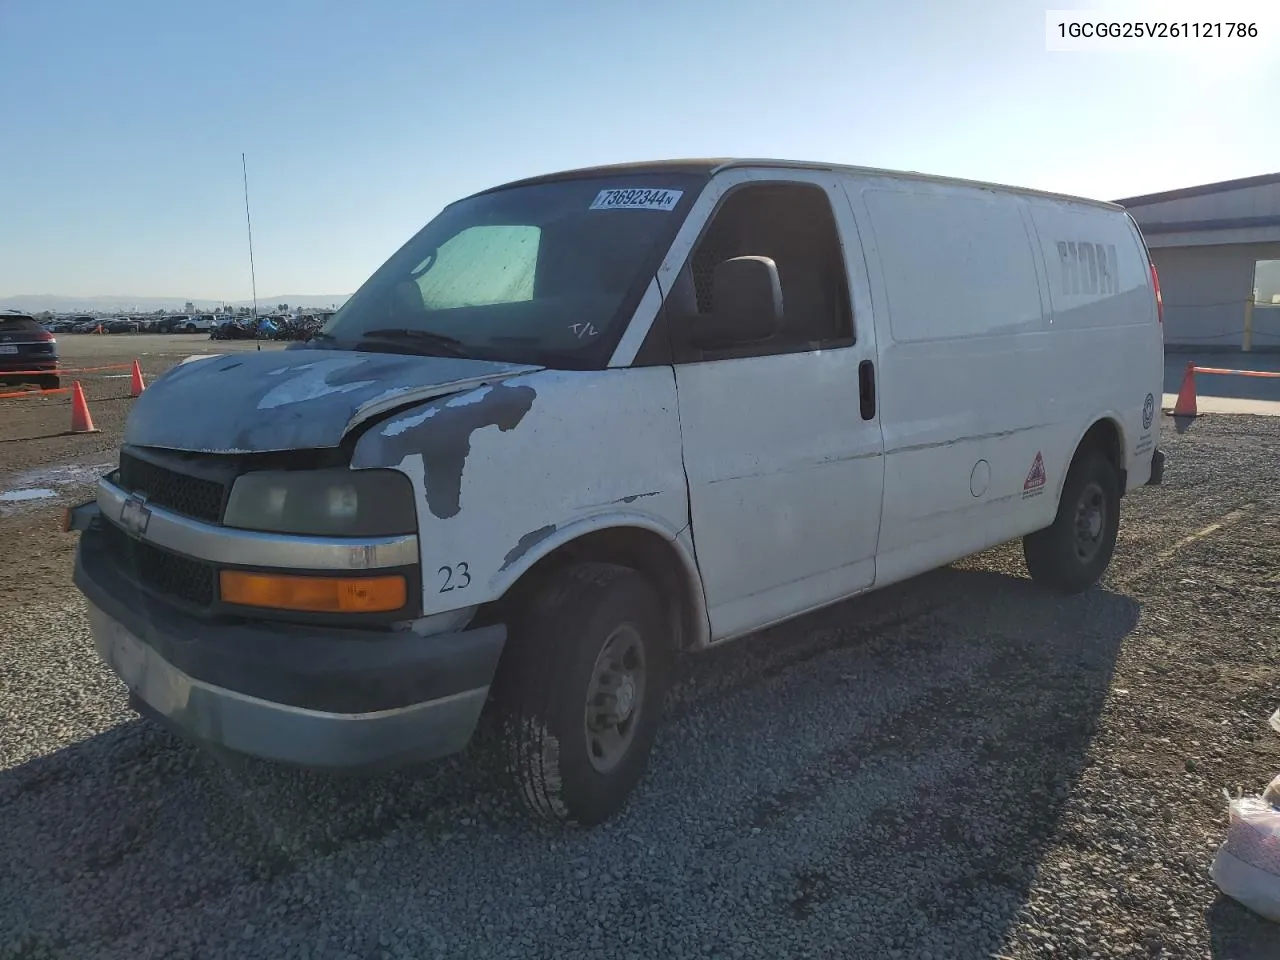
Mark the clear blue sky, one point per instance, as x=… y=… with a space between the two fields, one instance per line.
x=122 y=123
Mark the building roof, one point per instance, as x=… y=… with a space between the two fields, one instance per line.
x=1222 y=186
x=709 y=166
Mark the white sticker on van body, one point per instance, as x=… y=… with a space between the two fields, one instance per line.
x=636 y=198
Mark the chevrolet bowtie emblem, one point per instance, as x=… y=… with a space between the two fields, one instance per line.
x=134 y=515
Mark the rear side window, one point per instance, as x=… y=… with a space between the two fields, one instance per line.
x=19 y=325
x=956 y=264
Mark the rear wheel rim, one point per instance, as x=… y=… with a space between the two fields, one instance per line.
x=1090 y=524
x=615 y=698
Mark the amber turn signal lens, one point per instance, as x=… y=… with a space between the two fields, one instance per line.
x=317 y=594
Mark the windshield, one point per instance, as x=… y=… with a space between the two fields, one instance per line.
x=547 y=273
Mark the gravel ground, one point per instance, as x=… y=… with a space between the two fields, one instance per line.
x=960 y=766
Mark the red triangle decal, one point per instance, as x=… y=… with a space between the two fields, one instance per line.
x=1035 y=478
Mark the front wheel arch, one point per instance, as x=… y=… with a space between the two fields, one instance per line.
x=633 y=541
x=578 y=724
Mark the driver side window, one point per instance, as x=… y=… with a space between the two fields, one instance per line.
x=480 y=266
x=791 y=224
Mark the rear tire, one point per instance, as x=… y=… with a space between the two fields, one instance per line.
x=50 y=383
x=581 y=691
x=1072 y=554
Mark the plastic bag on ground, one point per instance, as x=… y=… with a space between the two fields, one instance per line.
x=1272 y=794
x=1247 y=866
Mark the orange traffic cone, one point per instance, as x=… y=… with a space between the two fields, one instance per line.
x=81 y=422
x=136 y=383
x=1186 y=405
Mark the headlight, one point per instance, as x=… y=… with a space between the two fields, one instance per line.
x=342 y=503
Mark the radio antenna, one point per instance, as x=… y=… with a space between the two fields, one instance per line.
x=253 y=280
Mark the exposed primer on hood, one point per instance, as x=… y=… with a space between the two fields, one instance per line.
x=291 y=399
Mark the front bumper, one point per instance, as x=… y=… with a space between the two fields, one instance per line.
x=311 y=696
x=20 y=364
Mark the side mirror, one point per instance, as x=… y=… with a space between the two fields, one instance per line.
x=746 y=298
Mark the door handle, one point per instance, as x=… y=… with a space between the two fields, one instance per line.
x=867 y=389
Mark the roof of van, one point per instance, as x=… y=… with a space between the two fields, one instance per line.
x=712 y=165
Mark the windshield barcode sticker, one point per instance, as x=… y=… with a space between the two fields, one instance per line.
x=636 y=199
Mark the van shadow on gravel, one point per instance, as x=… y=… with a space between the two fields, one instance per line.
x=1237 y=933
x=965 y=788
x=885 y=774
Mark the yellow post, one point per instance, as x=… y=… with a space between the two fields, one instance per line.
x=1247 y=344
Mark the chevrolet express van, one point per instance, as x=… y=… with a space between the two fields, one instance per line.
x=585 y=422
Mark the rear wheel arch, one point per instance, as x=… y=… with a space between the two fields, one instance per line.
x=1106 y=435
x=1073 y=552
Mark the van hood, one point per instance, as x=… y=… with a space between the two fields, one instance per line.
x=292 y=399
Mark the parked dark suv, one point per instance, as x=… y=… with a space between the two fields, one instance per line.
x=27 y=351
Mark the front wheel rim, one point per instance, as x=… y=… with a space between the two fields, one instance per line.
x=1090 y=524
x=615 y=698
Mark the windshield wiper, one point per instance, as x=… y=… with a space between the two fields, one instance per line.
x=451 y=346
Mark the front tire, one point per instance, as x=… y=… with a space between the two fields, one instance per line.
x=1072 y=554
x=581 y=692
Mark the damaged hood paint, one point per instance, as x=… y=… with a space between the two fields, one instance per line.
x=292 y=399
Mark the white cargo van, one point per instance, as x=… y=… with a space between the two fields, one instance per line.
x=587 y=421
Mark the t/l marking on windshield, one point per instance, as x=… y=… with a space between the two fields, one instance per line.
x=582 y=330
x=637 y=198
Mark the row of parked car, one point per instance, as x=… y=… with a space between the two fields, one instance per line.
x=29 y=348
x=200 y=323
x=274 y=327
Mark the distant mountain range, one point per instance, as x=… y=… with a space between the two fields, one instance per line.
x=39 y=302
